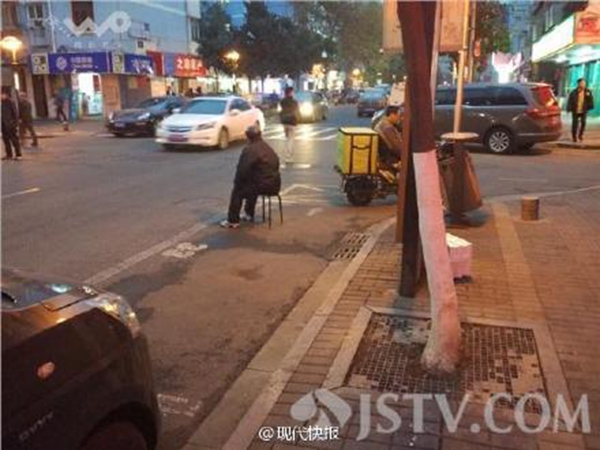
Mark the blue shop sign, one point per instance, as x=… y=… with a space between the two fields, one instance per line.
x=139 y=64
x=169 y=64
x=98 y=62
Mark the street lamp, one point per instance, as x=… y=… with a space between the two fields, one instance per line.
x=233 y=57
x=356 y=72
x=11 y=44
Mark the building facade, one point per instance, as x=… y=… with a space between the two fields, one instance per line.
x=566 y=45
x=101 y=56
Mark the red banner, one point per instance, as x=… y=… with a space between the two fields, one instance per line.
x=189 y=66
x=157 y=62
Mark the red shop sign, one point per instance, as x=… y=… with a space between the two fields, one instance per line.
x=157 y=61
x=189 y=66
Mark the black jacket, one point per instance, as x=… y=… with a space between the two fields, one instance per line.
x=588 y=102
x=259 y=167
x=290 y=111
x=25 y=113
x=10 y=118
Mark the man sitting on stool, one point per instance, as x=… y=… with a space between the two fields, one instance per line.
x=257 y=174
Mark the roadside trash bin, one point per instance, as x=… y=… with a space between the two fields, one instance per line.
x=459 y=179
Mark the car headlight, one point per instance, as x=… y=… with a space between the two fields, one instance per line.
x=116 y=306
x=306 y=109
x=111 y=116
x=144 y=116
x=206 y=126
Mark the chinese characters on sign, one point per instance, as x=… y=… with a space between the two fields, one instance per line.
x=189 y=66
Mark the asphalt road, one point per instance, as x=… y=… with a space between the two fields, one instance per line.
x=115 y=211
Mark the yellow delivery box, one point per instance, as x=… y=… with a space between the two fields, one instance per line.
x=357 y=151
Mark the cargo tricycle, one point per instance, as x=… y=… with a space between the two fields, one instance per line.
x=363 y=177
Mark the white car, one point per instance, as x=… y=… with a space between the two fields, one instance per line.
x=209 y=122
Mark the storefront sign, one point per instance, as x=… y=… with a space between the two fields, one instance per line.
x=39 y=63
x=98 y=62
x=560 y=37
x=587 y=29
x=184 y=66
x=138 y=64
x=452 y=22
x=157 y=63
x=118 y=63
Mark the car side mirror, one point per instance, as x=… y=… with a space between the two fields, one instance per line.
x=234 y=112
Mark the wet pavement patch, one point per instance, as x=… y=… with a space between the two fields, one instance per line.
x=496 y=359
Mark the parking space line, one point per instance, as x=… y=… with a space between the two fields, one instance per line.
x=25 y=192
x=135 y=259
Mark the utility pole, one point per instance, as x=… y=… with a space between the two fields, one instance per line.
x=418 y=21
x=471 y=58
x=461 y=69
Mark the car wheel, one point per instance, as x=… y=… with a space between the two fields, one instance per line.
x=118 y=134
x=116 y=436
x=359 y=191
x=223 y=139
x=499 y=140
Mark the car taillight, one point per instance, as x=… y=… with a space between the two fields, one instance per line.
x=538 y=113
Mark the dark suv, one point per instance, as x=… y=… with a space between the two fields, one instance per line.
x=506 y=117
x=75 y=369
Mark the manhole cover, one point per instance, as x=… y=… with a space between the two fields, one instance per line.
x=496 y=359
x=350 y=246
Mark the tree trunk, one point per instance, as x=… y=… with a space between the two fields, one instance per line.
x=443 y=347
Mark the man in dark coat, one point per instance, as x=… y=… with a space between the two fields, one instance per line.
x=580 y=102
x=10 y=125
x=26 y=119
x=257 y=174
x=289 y=116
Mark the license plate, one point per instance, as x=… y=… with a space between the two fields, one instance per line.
x=119 y=125
x=177 y=138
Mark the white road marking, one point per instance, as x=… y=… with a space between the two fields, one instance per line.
x=529 y=180
x=135 y=259
x=25 y=192
x=314 y=211
x=177 y=405
x=184 y=250
x=504 y=198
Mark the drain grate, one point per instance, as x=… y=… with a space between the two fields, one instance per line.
x=350 y=246
x=495 y=359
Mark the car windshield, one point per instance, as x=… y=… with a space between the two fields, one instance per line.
x=205 y=106
x=149 y=102
x=304 y=96
x=372 y=95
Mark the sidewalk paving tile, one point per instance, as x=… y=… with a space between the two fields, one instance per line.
x=544 y=273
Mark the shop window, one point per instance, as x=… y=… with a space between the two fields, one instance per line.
x=195 y=26
x=35 y=11
x=10 y=18
x=82 y=10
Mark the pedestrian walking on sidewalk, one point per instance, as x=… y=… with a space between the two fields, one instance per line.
x=289 y=116
x=59 y=103
x=26 y=120
x=257 y=174
x=581 y=100
x=10 y=125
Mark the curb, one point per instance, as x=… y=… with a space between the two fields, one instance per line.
x=576 y=146
x=272 y=378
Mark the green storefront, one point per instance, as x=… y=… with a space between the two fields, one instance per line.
x=569 y=51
